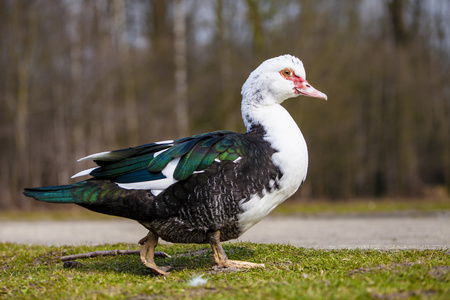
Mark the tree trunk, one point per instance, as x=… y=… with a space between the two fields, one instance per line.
x=255 y=19
x=127 y=75
x=181 y=85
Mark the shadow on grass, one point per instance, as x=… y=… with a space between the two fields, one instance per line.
x=197 y=258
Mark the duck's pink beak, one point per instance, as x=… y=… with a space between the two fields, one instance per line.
x=302 y=87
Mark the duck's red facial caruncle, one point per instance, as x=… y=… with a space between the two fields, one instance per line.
x=301 y=86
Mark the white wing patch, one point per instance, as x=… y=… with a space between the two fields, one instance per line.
x=156 y=192
x=84 y=172
x=159 y=152
x=235 y=161
x=164 y=142
x=155 y=185
x=110 y=155
x=101 y=155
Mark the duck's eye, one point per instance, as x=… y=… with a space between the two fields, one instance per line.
x=286 y=72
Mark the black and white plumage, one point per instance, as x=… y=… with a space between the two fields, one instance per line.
x=210 y=187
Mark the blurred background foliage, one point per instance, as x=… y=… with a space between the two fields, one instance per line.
x=79 y=77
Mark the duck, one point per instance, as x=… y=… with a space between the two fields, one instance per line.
x=205 y=188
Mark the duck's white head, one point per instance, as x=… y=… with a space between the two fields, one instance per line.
x=276 y=80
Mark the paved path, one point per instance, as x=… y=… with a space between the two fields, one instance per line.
x=430 y=231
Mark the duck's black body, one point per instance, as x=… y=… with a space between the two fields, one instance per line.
x=208 y=200
x=205 y=188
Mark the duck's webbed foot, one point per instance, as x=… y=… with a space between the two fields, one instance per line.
x=220 y=258
x=149 y=242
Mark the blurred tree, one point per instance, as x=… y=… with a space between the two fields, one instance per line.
x=256 y=21
x=80 y=77
x=225 y=61
x=181 y=87
x=127 y=76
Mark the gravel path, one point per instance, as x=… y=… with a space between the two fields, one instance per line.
x=429 y=231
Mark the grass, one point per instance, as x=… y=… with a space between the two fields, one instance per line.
x=36 y=272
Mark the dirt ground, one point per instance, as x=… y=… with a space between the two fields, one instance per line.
x=426 y=231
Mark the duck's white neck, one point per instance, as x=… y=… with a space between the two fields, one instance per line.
x=283 y=134
x=291 y=157
x=255 y=108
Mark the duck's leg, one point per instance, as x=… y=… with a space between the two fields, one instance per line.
x=220 y=258
x=149 y=242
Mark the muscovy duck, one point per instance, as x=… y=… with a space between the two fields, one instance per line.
x=210 y=187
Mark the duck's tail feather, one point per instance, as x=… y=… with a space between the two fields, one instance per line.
x=103 y=196
x=58 y=194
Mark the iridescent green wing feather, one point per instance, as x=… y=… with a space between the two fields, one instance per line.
x=190 y=162
x=199 y=153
